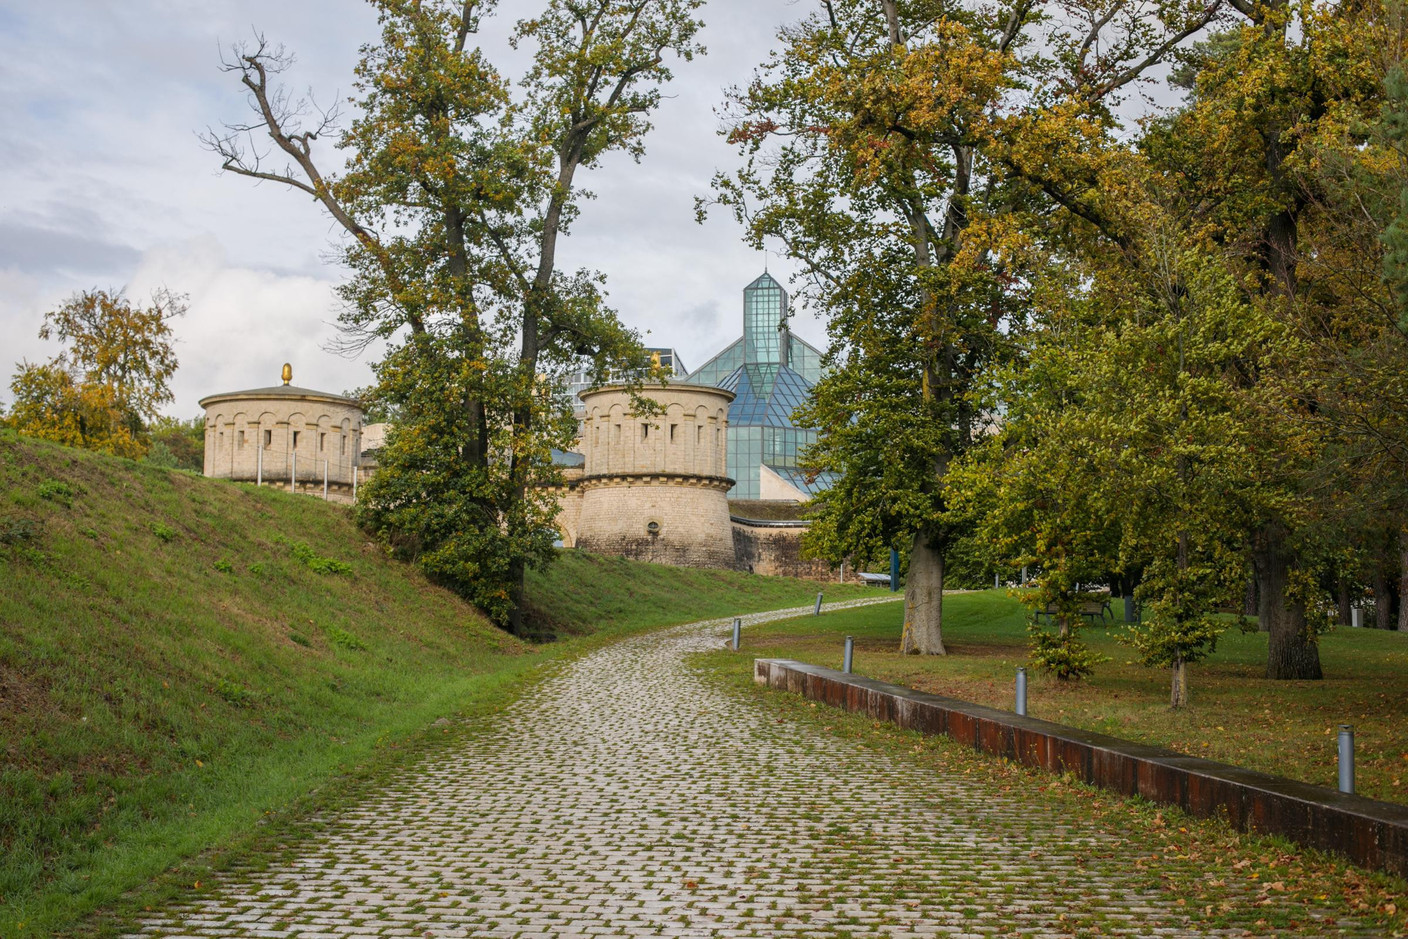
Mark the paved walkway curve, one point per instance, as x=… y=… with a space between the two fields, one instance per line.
x=625 y=797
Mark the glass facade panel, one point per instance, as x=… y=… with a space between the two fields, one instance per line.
x=764 y=321
x=769 y=381
x=713 y=372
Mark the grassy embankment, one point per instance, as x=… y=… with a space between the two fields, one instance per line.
x=183 y=662
x=1236 y=715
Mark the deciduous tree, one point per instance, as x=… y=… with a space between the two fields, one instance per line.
x=457 y=190
x=111 y=378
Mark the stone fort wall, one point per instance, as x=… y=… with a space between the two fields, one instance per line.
x=288 y=437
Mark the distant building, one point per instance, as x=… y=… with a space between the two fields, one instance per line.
x=771 y=372
x=652 y=487
x=670 y=366
x=284 y=436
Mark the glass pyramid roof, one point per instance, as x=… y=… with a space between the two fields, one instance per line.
x=765 y=395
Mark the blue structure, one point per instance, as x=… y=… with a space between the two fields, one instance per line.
x=771 y=372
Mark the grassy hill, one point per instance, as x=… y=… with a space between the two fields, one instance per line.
x=180 y=657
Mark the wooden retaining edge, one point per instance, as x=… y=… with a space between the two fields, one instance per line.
x=1370 y=833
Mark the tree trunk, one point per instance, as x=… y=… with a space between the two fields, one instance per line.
x=1402 y=621
x=1179 y=696
x=1249 y=602
x=1291 y=652
x=1263 y=608
x=924 y=599
x=1344 y=614
x=1383 y=597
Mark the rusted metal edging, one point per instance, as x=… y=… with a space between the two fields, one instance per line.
x=1370 y=833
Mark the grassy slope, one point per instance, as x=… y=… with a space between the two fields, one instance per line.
x=171 y=670
x=1236 y=715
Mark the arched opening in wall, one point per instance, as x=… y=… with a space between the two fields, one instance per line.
x=268 y=439
x=295 y=439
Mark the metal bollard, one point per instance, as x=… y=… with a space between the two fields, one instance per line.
x=1022 y=692
x=817 y=611
x=1346 y=759
x=1356 y=617
x=850 y=654
x=737 y=632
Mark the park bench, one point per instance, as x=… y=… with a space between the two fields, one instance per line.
x=1092 y=611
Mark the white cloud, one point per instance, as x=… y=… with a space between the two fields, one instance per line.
x=106 y=185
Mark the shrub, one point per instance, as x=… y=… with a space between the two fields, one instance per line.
x=224 y=566
x=163 y=532
x=56 y=490
x=318 y=564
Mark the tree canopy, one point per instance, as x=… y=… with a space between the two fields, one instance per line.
x=111 y=378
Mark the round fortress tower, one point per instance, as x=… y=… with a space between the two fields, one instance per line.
x=653 y=486
x=284 y=436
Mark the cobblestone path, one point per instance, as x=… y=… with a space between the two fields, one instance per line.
x=624 y=797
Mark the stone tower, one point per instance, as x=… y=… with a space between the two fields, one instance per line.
x=653 y=487
x=285 y=436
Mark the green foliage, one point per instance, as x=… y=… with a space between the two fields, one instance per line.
x=316 y=563
x=344 y=640
x=224 y=566
x=177 y=444
x=55 y=490
x=235 y=695
x=1061 y=654
x=114 y=373
x=164 y=532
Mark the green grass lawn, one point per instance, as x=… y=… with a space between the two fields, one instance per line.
x=1236 y=716
x=182 y=658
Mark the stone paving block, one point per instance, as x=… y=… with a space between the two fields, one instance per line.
x=624 y=797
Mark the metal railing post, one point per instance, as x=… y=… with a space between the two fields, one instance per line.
x=737 y=632
x=1346 y=759
x=849 y=657
x=1022 y=692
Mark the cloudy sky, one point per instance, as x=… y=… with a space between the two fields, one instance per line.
x=103 y=183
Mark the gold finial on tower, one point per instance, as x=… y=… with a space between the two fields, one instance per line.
x=288 y=373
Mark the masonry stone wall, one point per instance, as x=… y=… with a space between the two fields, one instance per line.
x=775 y=550
x=286 y=437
